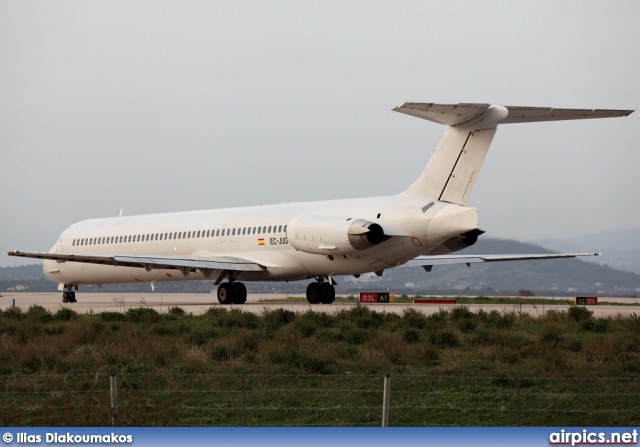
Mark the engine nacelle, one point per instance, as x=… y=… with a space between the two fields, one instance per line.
x=333 y=235
x=457 y=243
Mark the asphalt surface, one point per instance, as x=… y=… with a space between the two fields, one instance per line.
x=258 y=303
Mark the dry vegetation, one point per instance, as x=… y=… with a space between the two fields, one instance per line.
x=228 y=367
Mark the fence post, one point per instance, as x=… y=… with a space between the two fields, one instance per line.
x=385 y=400
x=113 y=386
x=518 y=388
x=244 y=400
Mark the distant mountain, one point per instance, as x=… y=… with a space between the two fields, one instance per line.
x=620 y=249
x=561 y=277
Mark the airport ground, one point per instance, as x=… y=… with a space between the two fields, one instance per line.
x=198 y=303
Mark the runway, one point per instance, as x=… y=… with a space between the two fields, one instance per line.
x=198 y=303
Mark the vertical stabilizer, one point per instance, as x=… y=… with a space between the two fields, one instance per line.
x=454 y=166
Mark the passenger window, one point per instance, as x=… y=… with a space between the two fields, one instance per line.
x=279 y=228
x=233 y=233
x=285 y=228
x=208 y=233
x=269 y=229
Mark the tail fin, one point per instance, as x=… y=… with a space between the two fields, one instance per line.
x=453 y=168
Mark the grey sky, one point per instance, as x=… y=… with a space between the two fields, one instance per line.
x=156 y=106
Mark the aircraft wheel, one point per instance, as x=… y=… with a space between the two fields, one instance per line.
x=328 y=293
x=240 y=293
x=225 y=293
x=66 y=297
x=314 y=293
x=72 y=297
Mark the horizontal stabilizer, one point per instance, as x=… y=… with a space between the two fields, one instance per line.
x=464 y=114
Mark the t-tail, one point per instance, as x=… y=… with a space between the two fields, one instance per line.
x=454 y=166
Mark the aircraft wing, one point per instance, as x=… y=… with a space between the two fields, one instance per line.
x=429 y=261
x=182 y=263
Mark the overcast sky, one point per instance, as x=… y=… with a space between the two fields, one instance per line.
x=156 y=106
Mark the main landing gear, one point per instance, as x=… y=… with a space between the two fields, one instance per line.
x=321 y=292
x=68 y=295
x=232 y=293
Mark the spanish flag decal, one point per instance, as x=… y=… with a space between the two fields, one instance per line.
x=260 y=241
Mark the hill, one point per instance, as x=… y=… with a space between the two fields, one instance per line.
x=621 y=248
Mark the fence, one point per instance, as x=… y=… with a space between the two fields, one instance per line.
x=315 y=400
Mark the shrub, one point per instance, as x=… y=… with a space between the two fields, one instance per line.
x=275 y=319
x=112 y=316
x=467 y=325
x=143 y=315
x=411 y=336
x=552 y=336
x=13 y=313
x=38 y=314
x=460 y=312
x=579 y=313
x=444 y=339
x=599 y=325
x=414 y=319
x=65 y=314
x=177 y=311
x=237 y=318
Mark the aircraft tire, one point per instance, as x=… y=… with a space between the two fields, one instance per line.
x=225 y=293
x=66 y=297
x=314 y=293
x=240 y=293
x=72 y=296
x=328 y=293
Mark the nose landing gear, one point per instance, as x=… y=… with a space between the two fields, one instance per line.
x=68 y=294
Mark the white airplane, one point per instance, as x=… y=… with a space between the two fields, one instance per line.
x=297 y=241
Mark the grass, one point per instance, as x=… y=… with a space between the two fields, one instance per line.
x=228 y=367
